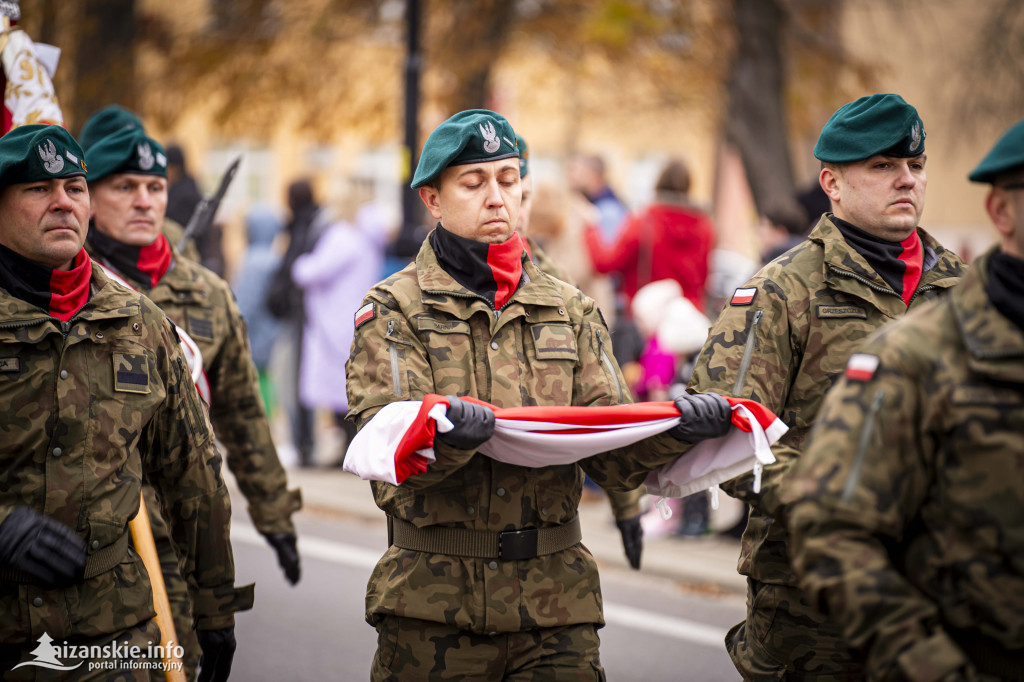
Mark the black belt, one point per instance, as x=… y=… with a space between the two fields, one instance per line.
x=509 y=545
x=989 y=656
x=100 y=561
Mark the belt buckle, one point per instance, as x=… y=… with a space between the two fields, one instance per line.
x=515 y=545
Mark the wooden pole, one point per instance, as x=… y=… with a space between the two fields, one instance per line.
x=142 y=536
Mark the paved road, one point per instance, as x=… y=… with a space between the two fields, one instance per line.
x=658 y=629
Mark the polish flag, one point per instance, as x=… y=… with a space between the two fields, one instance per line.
x=861 y=367
x=398 y=441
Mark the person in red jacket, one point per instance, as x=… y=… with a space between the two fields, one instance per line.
x=670 y=239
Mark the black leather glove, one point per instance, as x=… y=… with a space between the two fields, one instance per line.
x=632 y=539
x=287 y=554
x=704 y=415
x=42 y=547
x=474 y=424
x=218 y=651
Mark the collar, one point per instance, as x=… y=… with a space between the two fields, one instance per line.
x=144 y=265
x=61 y=293
x=443 y=292
x=994 y=344
x=491 y=271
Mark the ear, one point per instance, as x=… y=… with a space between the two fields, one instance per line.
x=828 y=178
x=431 y=198
x=999 y=206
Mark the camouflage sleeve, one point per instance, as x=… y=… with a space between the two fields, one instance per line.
x=750 y=353
x=180 y=460
x=626 y=504
x=240 y=422
x=599 y=381
x=387 y=363
x=857 y=486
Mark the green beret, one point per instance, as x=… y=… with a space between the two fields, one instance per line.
x=107 y=121
x=467 y=137
x=39 y=152
x=879 y=124
x=127 y=151
x=1007 y=155
x=524 y=156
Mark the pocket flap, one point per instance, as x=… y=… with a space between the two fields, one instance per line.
x=554 y=341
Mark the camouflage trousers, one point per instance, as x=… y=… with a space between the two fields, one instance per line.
x=177 y=588
x=785 y=638
x=412 y=650
x=78 y=669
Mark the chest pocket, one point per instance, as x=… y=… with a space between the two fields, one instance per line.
x=449 y=345
x=554 y=341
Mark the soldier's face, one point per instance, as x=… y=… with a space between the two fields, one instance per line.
x=523 y=224
x=45 y=221
x=130 y=207
x=477 y=201
x=883 y=195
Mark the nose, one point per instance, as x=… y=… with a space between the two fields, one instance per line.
x=906 y=177
x=143 y=199
x=62 y=200
x=494 y=198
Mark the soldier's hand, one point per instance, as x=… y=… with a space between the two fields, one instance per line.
x=287 y=554
x=42 y=547
x=474 y=424
x=632 y=539
x=218 y=651
x=704 y=415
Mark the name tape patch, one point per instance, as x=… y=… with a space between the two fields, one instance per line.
x=131 y=373
x=743 y=296
x=861 y=367
x=10 y=365
x=365 y=314
x=839 y=311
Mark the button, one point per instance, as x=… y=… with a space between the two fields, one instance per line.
x=136 y=327
x=58 y=451
x=63 y=374
x=544 y=511
x=99 y=335
x=501 y=492
x=470 y=509
x=493 y=634
x=95 y=544
x=494 y=345
x=561 y=311
x=38 y=601
x=493 y=566
x=527 y=313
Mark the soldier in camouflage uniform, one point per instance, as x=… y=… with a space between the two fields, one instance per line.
x=486 y=577
x=128 y=187
x=626 y=505
x=786 y=335
x=96 y=395
x=907 y=508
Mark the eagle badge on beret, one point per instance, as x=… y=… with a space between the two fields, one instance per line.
x=491 y=141
x=915 y=136
x=51 y=161
x=146 y=159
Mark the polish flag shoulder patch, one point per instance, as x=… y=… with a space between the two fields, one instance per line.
x=861 y=367
x=365 y=314
x=743 y=296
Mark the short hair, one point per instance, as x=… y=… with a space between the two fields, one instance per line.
x=674 y=178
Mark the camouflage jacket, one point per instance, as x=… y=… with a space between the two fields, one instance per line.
x=547 y=346
x=907 y=507
x=625 y=504
x=202 y=304
x=91 y=406
x=812 y=307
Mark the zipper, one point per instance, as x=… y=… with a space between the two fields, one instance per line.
x=393 y=351
x=748 y=353
x=862 y=447
x=926 y=287
x=27 y=323
x=606 y=361
x=862 y=280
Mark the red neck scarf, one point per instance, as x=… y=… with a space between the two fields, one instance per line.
x=145 y=265
x=61 y=293
x=490 y=270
